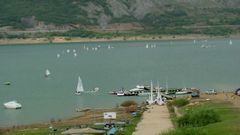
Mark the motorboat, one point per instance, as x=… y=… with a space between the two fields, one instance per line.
x=7 y=83
x=12 y=105
x=181 y=92
x=126 y=93
x=120 y=93
x=139 y=91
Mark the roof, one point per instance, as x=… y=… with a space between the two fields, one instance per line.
x=83 y=131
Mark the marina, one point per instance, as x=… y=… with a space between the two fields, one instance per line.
x=112 y=65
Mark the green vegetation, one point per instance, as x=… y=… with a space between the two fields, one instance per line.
x=173 y=19
x=180 y=102
x=130 y=128
x=198 y=118
x=42 y=131
x=58 y=12
x=186 y=131
x=205 y=120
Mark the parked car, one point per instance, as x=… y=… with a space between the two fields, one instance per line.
x=211 y=92
x=195 y=94
x=237 y=92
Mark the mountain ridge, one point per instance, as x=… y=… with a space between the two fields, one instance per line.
x=117 y=15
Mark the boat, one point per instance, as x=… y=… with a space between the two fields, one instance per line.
x=230 y=42
x=7 y=83
x=140 y=90
x=96 y=89
x=12 y=105
x=75 y=54
x=159 y=99
x=123 y=92
x=47 y=73
x=181 y=92
x=166 y=91
x=79 y=89
x=120 y=93
x=113 y=92
x=150 y=100
x=146 y=46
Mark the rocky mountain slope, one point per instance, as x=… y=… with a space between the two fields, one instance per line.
x=117 y=15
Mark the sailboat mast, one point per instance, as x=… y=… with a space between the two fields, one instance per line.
x=151 y=98
x=166 y=92
x=158 y=90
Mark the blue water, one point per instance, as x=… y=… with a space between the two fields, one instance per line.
x=180 y=63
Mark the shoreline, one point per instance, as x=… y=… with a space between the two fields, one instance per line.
x=57 y=40
x=85 y=117
x=143 y=127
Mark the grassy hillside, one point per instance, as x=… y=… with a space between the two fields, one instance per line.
x=153 y=16
x=228 y=125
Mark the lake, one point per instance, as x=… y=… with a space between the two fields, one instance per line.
x=108 y=65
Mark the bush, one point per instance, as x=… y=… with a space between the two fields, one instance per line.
x=180 y=102
x=170 y=107
x=128 y=103
x=130 y=109
x=186 y=131
x=197 y=118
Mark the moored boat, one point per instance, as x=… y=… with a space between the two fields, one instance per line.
x=12 y=105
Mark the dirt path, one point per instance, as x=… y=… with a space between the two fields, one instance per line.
x=155 y=121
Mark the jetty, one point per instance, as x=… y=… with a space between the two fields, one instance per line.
x=171 y=97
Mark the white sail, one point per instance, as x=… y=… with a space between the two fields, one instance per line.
x=166 y=92
x=47 y=73
x=79 y=89
x=230 y=42
x=159 y=100
x=150 y=100
x=75 y=54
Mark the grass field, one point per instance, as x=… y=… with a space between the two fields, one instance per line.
x=228 y=125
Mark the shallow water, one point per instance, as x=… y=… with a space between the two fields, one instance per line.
x=180 y=63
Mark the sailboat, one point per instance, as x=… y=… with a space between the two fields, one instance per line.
x=159 y=100
x=166 y=91
x=230 y=42
x=79 y=89
x=150 y=100
x=47 y=73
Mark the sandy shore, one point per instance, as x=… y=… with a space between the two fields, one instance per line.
x=85 y=118
x=133 y=38
x=221 y=97
x=155 y=121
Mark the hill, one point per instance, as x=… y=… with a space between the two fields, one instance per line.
x=74 y=17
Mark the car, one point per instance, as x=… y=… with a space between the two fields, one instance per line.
x=195 y=94
x=211 y=92
x=237 y=92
